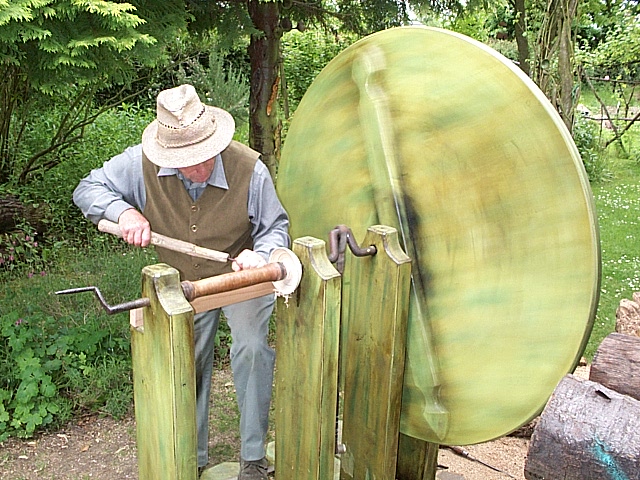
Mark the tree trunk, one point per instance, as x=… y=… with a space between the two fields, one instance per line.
x=553 y=68
x=264 y=55
x=586 y=432
x=542 y=67
x=566 y=71
x=616 y=364
x=13 y=93
x=521 y=39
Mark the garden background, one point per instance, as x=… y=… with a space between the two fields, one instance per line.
x=79 y=86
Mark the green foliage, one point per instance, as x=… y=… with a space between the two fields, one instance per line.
x=62 y=53
x=305 y=54
x=222 y=343
x=59 y=43
x=617 y=54
x=371 y=16
x=508 y=48
x=61 y=355
x=51 y=191
x=20 y=249
x=587 y=138
x=218 y=83
x=50 y=368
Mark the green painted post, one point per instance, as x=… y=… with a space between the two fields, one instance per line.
x=306 y=392
x=417 y=459
x=164 y=380
x=374 y=325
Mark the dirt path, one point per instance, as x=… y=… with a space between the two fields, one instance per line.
x=104 y=449
x=96 y=448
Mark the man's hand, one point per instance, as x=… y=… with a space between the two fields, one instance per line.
x=248 y=259
x=135 y=228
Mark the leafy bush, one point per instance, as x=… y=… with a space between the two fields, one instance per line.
x=305 y=54
x=218 y=84
x=51 y=367
x=587 y=139
x=51 y=191
x=62 y=354
x=21 y=249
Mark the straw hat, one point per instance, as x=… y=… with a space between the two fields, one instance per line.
x=186 y=131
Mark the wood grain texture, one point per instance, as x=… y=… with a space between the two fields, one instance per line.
x=417 y=459
x=616 y=364
x=227 y=282
x=499 y=213
x=164 y=380
x=169 y=243
x=586 y=432
x=374 y=327
x=306 y=391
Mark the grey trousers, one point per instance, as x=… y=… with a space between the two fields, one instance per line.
x=252 y=363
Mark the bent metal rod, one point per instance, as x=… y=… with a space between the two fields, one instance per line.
x=272 y=272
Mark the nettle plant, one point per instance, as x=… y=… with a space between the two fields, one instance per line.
x=49 y=368
x=21 y=250
x=28 y=393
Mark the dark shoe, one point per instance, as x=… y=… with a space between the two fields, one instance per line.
x=253 y=470
x=200 y=470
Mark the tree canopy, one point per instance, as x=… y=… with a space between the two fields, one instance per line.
x=70 y=49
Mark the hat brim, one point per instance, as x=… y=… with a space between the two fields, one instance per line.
x=189 y=155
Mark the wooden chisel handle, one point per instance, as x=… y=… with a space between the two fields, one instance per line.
x=226 y=282
x=170 y=243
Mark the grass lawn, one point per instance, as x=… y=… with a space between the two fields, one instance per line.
x=618 y=210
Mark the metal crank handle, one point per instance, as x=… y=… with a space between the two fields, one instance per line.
x=283 y=270
x=171 y=243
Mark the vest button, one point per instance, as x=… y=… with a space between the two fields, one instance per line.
x=194 y=228
x=196 y=266
x=194 y=208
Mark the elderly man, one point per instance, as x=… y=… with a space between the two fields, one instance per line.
x=189 y=180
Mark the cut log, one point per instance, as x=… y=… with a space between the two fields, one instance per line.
x=13 y=211
x=586 y=432
x=616 y=364
x=628 y=316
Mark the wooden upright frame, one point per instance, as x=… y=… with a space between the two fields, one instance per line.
x=164 y=380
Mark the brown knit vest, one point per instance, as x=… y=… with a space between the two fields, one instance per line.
x=218 y=219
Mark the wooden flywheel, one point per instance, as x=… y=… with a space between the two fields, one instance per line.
x=444 y=139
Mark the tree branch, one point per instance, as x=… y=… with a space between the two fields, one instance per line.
x=603 y=106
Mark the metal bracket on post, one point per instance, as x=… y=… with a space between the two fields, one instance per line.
x=339 y=238
x=374 y=330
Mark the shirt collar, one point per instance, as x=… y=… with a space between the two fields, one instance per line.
x=217 y=178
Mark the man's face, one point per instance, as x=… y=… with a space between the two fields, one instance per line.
x=199 y=173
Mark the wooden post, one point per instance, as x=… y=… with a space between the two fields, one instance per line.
x=417 y=459
x=373 y=350
x=616 y=364
x=586 y=432
x=164 y=380
x=308 y=325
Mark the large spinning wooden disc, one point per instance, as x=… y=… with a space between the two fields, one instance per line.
x=441 y=137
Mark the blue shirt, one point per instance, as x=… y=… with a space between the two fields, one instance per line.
x=119 y=185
